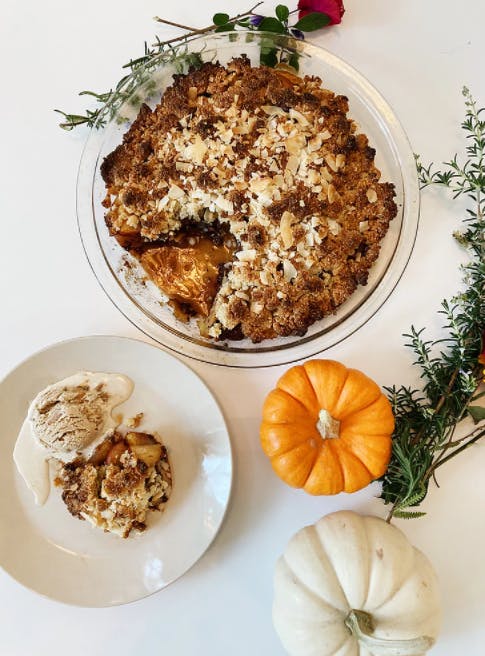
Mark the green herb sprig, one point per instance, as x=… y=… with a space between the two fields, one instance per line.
x=139 y=69
x=427 y=418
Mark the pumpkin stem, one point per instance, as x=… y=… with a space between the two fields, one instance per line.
x=327 y=426
x=361 y=625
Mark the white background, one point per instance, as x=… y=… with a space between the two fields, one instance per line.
x=419 y=55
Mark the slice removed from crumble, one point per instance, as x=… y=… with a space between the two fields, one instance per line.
x=126 y=476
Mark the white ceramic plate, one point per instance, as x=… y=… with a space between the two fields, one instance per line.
x=61 y=557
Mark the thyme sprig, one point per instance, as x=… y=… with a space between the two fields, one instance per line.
x=427 y=418
x=140 y=68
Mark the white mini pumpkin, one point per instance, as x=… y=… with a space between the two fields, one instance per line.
x=354 y=586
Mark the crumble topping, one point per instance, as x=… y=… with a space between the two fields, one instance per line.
x=125 y=478
x=273 y=160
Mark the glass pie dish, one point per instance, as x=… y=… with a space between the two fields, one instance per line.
x=121 y=275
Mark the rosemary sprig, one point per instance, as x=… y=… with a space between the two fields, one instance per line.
x=427 y=418
x=141 y=67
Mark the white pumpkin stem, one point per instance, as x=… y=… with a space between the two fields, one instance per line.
x=327 y=426
x=361 y=626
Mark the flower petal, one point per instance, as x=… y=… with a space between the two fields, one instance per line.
x=333 y=8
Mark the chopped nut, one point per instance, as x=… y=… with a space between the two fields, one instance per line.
x=371 y=195
x=242 y=295
x=175 y=192
x=134 y=422
x=334 y=227
x=192 y=94
x=246 y=256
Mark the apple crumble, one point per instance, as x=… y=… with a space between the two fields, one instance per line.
x=126 y=476
x=250 y=199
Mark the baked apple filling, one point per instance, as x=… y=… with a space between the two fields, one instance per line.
x=126 y=477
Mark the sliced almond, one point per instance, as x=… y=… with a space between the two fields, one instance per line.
x=273 y=110
x=175 y=192
x=289 y=271
x=186 y=167
x=332 y=194
x=294 y=144
x=292 y=164
x=298 y=116
x=331 y=162
x=371 y=195
x=287 y=218
x=340 y=161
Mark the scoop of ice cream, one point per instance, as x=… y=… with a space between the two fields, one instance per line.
x=69 y=419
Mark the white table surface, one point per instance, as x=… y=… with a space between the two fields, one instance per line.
x=418 y=54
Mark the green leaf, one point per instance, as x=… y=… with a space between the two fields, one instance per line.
x=282 y=12
x=227 y=27
x=268 y=57
x=269 y=24
x=312 y=22
x=477 y=413
x=294 y=61
x=220 y=19
x=403 y=514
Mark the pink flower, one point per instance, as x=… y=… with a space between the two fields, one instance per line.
x=333 y=8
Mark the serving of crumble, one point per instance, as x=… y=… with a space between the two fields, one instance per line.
x=126 y=477
x=250 y=200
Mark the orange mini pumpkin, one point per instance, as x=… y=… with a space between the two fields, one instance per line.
x=327 y=428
